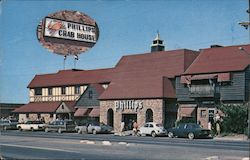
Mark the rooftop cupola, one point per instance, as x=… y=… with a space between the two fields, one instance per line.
x=157 y=44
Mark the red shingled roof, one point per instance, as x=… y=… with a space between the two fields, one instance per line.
x=141 y=76
x=222 y=59
x=72 y=77
x=99 y=89
x=43 y=107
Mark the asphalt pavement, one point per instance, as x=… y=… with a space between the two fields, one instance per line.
x=41 y=145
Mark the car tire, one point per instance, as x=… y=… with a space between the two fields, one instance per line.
x=20 y=129
x=138 y=133
x=170 y=134
x=46 y=130
x=153 y=134
x=191 y=135
x=59 y=130
x=94 y=131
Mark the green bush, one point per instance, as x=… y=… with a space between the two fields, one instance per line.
x=235 y=119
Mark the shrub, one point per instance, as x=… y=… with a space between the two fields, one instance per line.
x=235 y=119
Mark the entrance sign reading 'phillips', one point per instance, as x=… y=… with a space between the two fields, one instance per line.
x=68 y=32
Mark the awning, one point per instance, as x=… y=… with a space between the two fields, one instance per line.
x=95 y=112
x=80 y=112
x=187 y=110
x=186 y=79
x=204 y=76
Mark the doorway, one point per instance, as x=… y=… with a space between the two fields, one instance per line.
x=110 y=117
x=128 y=120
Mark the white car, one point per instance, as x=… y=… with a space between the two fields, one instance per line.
x=153 y=129
x=31 y=125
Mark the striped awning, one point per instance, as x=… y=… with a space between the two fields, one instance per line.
x=95 y=112
x=80 y=112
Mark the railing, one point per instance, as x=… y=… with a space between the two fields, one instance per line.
x=54 y=98
x=202 y=91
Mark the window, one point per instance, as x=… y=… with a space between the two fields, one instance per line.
x=211 y=115
x=51 y=115
x=38 y=91
x=38 y=116
x=149 y=115
x=63 y=90
x=50 y=91
x=77 y=89
x=27 y=115
x=151 y=126
x=62 y=106
x=203 y=113
x=90 y=94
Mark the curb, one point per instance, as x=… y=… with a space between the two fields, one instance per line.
x=87 y=142
x=106 y=143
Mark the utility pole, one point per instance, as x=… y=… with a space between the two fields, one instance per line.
x=246 y=25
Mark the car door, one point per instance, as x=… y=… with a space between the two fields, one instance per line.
x=150 y=128
x=144 y=129
x=187 y=130
x=179 y=130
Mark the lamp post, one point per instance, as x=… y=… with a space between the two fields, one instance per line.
x=246 y=24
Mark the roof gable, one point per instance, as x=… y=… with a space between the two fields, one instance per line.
x=222 y=59
x=141 y=76
x=72 y=77
x=84 y=101
x=44 y=107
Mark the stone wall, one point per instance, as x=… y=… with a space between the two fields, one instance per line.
x=155 y=104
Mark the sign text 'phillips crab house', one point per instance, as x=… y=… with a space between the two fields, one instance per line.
x=69 y=30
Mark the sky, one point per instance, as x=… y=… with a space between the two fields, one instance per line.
x=126 y=27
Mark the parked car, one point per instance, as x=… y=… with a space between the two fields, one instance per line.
x=61 y=126
x=190 y=130
x=31 y=125
x=8 y=124
x=153 y=129
x=93 y=128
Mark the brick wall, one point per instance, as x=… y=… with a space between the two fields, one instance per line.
x=155 y=104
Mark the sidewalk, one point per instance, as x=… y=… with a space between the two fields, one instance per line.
x=237 y=137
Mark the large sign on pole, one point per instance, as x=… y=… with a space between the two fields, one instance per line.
x=67 y=32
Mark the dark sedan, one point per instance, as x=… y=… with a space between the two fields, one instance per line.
x=190 y=130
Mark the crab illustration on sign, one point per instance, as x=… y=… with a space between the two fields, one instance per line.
x=54 y=26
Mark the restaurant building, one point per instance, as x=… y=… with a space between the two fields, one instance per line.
x=143 y=88
x=159 y=86
x=59 y=95
x=219 y=75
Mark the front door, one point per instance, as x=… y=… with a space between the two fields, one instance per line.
x=128 y=120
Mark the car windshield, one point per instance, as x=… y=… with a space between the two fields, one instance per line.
x=195 y=126
x=159 y=125
x=13 y=121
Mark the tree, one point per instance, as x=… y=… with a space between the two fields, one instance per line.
x=235 y=119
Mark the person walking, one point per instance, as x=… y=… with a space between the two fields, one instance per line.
x=135 y=128
x=122 y=128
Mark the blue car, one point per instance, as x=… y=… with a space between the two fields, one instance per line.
x=189 y=130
